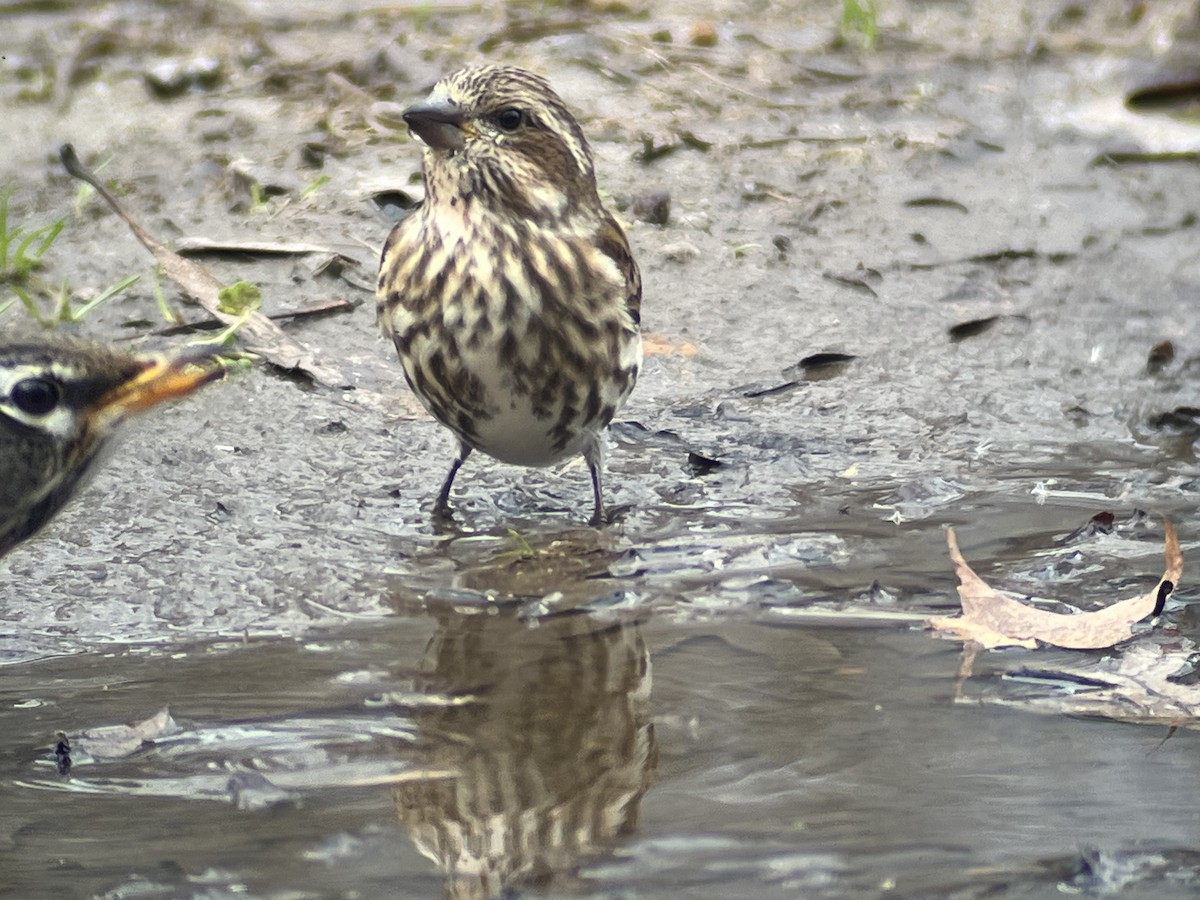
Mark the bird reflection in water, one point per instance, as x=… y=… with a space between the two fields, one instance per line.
x=546 y=724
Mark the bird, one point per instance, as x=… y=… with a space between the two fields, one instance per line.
x=510 y=293
x=61 y=399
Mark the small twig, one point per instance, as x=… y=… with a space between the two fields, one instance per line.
x=320 y=308
x=264 y=337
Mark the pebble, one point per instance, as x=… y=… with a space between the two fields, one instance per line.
x=653 y=207
x=703 y=34
x=679 y=251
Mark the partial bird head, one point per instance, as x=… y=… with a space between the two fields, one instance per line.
x=500 y=135
x=60 y=400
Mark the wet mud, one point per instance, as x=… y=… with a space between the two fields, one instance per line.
x=947 y=279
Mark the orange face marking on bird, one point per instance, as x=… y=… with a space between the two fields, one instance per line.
x=60 y=400
x=161 y=379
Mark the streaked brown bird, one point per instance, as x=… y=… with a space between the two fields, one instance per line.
x=510 y=292
x=60 y=400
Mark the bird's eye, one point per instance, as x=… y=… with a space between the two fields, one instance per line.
x=36 y=396
x=510 y=118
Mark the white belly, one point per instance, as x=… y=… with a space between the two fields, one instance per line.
x=515 y=432
x=515 y=435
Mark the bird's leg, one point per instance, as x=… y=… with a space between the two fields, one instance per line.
x=597 y=519
x=441 y=509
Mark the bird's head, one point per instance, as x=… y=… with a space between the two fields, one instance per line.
x=60 y=399
x=500 y=135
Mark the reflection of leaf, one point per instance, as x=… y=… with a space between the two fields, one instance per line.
x=995 y=620
x=1141 y=685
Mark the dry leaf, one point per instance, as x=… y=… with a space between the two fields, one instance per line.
x=995 y=620
x=264 y=337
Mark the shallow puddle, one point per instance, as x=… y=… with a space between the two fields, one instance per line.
x=581 y=754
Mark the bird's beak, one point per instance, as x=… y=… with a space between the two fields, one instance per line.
x=438 y=123
x=161 y=378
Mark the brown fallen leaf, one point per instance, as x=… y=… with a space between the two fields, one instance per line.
x=262 y=335
x=994 y=620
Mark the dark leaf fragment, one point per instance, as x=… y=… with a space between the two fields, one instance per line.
x=941 y=202
x=1161 y=355
x=975 y=327
x=699 y=464
x=1178 y=90
x=1181 y=418
x=861 y=279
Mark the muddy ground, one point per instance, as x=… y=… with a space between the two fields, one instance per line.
x=746 y=703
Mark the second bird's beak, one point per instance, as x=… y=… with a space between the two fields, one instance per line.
x=161 y=378
x=437 y=123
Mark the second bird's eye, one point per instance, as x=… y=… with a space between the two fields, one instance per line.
x=510 y=118
x=36 y=396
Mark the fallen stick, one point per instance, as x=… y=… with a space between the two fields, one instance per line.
x=261 y=335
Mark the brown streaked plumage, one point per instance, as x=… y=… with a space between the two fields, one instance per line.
x=60 y=400
x=511 y=294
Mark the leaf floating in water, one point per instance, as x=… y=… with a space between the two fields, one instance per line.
x=993 y=619
x=116 y=741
